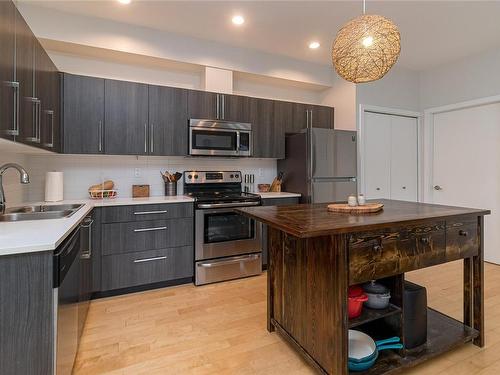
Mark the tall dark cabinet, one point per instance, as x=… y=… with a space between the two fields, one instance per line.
x=168 y=121
x=82 y=114
x=126 y=118
x=268 y=136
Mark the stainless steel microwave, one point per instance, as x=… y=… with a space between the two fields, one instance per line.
x=220 y=138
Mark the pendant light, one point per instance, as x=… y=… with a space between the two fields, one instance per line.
x=366 y=48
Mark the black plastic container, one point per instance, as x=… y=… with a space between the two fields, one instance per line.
x=415 y=315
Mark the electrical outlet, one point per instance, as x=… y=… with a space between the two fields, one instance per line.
x=260 y=172
x=137 y=172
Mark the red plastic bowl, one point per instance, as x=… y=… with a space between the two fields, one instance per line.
x=356 y=298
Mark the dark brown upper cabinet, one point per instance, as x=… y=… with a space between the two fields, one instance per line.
x=321 y=116
x=268 y=135
x=168 y=121
x=82 y=114
x=9 y=89
x=213 y=106
x=126 y=120
x=310 y=116
x=29 y=91
x=203 y=105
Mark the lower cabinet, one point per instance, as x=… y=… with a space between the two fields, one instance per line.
x=145 y=244
x=146 y=267
x=273 y=202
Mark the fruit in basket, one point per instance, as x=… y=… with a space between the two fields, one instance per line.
x=106 y=185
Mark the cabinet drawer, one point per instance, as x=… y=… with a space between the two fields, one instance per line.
x=378 y=254
x=462 y=238
x=146 y=235
x=133 y=269
x=120 y=214
x=280 y=201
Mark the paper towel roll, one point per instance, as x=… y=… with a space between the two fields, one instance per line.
x=54 y=186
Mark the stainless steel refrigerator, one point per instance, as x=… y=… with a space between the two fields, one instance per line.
x=320 y=164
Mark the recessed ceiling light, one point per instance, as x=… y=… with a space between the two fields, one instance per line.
x=314 y=45
x=238 y=20
x=124 y=1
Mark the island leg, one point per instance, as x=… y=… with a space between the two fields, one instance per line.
x=478 y=286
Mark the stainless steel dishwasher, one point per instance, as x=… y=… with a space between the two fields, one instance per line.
x=66 y=302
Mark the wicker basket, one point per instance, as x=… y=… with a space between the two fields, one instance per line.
x=103 y=194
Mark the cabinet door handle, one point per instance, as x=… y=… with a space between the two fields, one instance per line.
x=149 y=259
x=15 y=115
x=100 y=135
x=425 y=240
x=34 y=130
x=51 y=143
x=463 y=233
x=149 y=229
x=150 y=212
x=39 y=136
x=223 y=106
x=217 y=108
x=378 y=247
x=145 y=138
x=151 y=140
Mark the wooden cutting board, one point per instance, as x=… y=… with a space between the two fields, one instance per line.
x=140 y=191
x=368 y=208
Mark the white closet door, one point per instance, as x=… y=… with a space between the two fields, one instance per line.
x=377 y=155
x=404 y=159
x=466 y=165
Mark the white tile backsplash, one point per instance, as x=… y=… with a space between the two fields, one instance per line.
x=15 y=192
x=82 y=171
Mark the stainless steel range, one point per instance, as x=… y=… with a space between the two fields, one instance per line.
x=227 y=244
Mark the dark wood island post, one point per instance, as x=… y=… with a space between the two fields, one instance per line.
x=314 y=255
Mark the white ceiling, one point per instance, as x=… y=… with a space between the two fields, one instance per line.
x=433 y=32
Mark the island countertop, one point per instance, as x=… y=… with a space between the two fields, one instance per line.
x=311 y=220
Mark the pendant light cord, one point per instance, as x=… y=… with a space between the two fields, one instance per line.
x=364 y=6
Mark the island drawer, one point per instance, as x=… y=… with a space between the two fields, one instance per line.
x=387 y=252
x=146 y=235
x=141 y=212
x=133 y=269
x=462 y=237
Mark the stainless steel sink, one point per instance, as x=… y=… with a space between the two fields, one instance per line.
x=40 y=212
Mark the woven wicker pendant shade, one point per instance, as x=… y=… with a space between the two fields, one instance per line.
x=366 y=48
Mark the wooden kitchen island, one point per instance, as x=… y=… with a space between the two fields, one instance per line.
x=315 y=255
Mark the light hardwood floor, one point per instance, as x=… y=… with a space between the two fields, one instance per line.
x=221 y=329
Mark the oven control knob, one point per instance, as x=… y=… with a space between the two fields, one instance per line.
x=236 y=176
x=190 y=176
x=231 y=176
x=195 y=176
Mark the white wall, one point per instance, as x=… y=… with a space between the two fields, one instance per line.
x=471 y=78
x=82 y=171
x=341 y=96
x=398 y=89
x=100 y=33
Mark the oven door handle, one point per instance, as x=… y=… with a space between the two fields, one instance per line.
x=227 y=205
x=244 y=258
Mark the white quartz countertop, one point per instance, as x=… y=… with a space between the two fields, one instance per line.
x=43 y=235
x=281 y=194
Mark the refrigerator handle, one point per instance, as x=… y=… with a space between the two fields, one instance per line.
x=311 y=164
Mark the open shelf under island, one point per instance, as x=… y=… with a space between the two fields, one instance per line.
x=315 y=255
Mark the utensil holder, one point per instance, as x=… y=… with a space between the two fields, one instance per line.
x=170 y=188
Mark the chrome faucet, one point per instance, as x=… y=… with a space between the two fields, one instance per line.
x=24 y=177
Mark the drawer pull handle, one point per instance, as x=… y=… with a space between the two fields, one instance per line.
x=425 y=240
x=463 y=233
x=150 y=212
x=149 y=259
x=149 y=229
x=378 y=247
